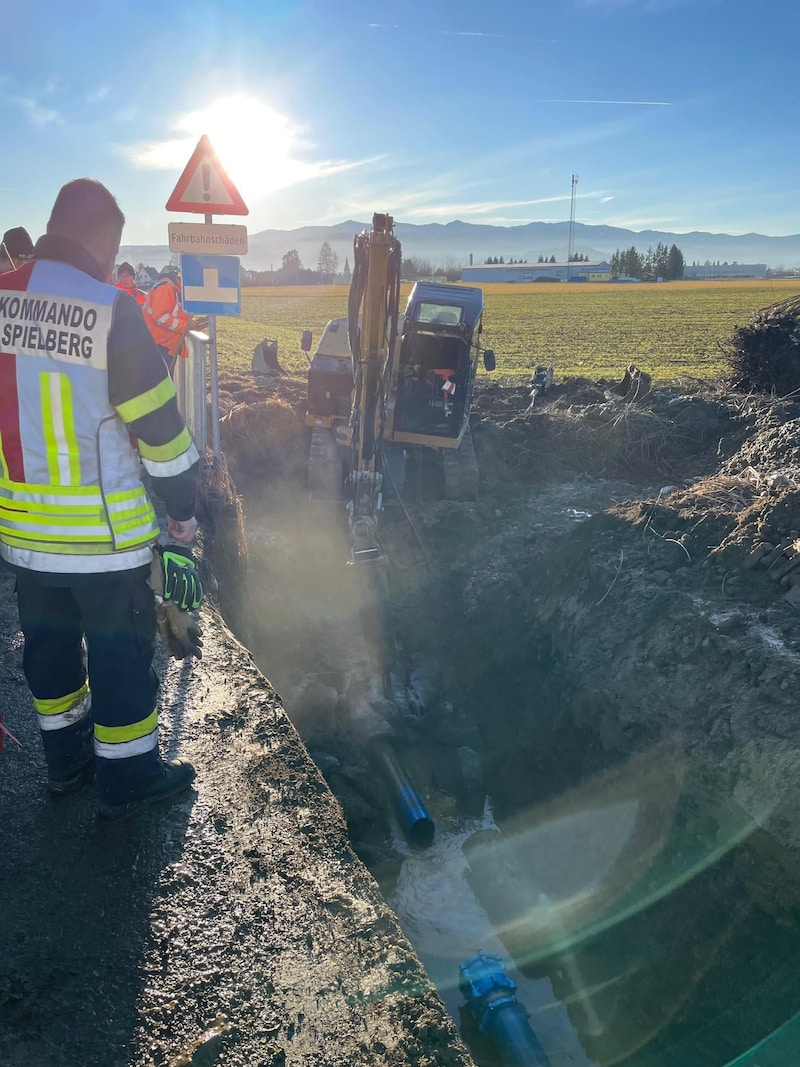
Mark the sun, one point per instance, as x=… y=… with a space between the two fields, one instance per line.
x=261 y=149
x=258 y=147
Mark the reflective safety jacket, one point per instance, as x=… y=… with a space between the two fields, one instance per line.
x=137 y=293
x=79 y=373
x=165 y=317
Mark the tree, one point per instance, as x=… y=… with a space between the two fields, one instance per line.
x=291 y=265
x=675 y=264
x=552 y=259
x=346 y=273
x=415 y=268
x=328 y=261
x=631 y=263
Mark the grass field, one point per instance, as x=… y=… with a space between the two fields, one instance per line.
x=672 y=330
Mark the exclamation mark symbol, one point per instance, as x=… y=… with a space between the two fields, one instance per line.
x=206 y=172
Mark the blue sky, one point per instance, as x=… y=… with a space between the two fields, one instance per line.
x=675 y=114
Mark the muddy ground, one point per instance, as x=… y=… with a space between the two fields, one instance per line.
x=231 y=927
x=591 y=634
x=595 y=617
x=605 y=572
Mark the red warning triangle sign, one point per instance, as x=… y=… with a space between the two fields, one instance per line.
x=204 y=187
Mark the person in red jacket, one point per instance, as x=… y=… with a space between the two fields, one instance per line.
x=126 y=281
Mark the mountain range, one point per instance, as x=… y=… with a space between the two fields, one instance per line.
x=452 y=243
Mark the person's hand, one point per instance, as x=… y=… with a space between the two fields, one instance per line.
x=182 y=585
x=181 y=531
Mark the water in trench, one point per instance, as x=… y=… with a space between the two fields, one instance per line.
x=643 y=926
x=638 y=932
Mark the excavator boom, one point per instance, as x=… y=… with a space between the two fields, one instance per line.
x=373 y=308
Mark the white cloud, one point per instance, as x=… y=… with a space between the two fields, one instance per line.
x=98 y=94
x=451 y=210
x=261 y=149
x=470 y=33
x=638 y=103
x=36 y=112
x=643 y=222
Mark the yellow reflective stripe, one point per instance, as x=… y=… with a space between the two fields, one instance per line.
x=70 y=438
x=58 y=426
x=12 y=535
x=146 y=536
x=171 y=450
x=28 y=518
x=125 y=495
x=3 y=464
x=116 y=735
x=34 y=489
x=57 y=705
x=146 y=508
x=53 y=466
x=91 y=546
x=51 y=509
x=144 y=403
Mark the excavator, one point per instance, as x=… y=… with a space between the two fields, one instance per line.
x=384 y=385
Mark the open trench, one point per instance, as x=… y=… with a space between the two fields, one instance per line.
x=594 y=693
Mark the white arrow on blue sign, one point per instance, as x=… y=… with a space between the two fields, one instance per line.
x=211 y=285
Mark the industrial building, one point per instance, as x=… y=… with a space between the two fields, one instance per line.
x=725 y=270
x=535 y=272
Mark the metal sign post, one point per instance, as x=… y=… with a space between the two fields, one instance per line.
x=211 y=283
x=213 y=368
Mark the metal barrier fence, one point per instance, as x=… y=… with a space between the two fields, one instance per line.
x=190 y=385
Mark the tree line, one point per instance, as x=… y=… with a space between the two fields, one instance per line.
x=658 y=262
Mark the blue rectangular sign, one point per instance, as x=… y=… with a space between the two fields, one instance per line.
x=211 y=285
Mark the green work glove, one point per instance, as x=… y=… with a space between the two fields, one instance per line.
x=182 y=585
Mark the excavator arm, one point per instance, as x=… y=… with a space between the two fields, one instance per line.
x=373 y=309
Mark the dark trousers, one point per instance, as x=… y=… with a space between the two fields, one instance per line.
x=116 y=614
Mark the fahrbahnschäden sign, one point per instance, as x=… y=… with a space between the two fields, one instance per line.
x=207 y=238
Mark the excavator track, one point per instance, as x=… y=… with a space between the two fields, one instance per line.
x=324 y=464
x=461 y=476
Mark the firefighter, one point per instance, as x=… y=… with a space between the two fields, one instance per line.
x=16 y=248
x=80 y=373
x=126 y=281
x=165 y=317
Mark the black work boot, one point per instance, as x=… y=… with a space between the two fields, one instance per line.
x=74 y=779
x=175 y=776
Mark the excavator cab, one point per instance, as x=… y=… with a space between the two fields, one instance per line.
x=430 y=393
x=408 y=389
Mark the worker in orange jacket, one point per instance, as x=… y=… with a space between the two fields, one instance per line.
x=165 y=317
x=126 y=281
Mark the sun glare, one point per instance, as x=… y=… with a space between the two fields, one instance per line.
x=258 y=147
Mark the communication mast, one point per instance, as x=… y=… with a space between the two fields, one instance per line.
x=571 y=240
